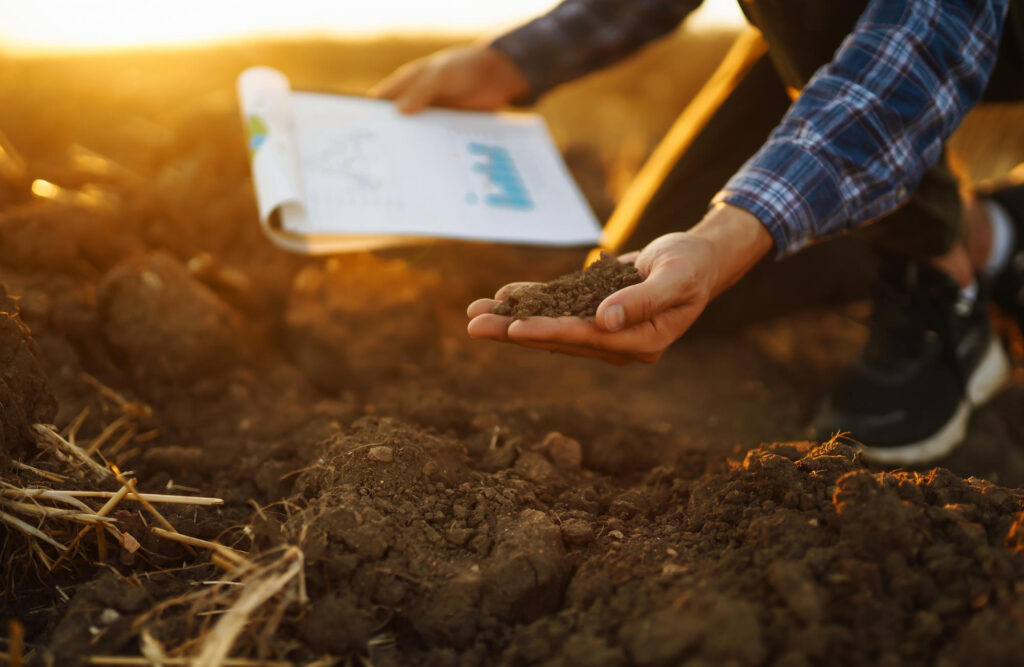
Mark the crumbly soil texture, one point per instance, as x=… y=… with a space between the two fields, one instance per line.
x=577 y=294
x=455 y=503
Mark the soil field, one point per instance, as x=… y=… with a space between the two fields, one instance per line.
x=398 y=494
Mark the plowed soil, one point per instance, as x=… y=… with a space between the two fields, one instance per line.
x=455 y=502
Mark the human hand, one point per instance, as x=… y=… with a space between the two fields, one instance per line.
x=682 y=272
x=472 y=76
x=637 y=323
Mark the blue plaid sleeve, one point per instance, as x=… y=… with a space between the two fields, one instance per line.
x=862 y=133
x=579 y=36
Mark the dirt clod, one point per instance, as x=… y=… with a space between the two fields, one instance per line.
x=576 y=294
x=24 y=396
x=381 y=454
x=564 y=452
x=164 y=324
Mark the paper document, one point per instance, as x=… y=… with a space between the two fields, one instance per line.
x=335 y=173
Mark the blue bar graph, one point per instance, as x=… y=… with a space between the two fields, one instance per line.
x=501 y=173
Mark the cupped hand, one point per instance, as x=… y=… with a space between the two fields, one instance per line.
x=637 y=323
x=472 y=76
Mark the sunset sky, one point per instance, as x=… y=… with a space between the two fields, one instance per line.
x=63 y=25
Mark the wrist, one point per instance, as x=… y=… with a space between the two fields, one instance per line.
x=737 y=241
x=503 y=70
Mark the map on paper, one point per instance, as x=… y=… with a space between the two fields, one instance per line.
x=335 y=172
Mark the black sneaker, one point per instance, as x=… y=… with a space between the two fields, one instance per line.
x=931 y=356
x=1008 y=284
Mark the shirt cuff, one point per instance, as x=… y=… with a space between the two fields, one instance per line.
x=526 y=50
x=792 y=191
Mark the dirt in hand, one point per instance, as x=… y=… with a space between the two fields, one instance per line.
x=573 y=295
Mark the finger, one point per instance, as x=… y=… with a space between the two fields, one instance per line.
x=490 y=326
x=630 y=306
x=503 y=293
x=640 y=341
x=418 y=95
x=480 y=307
x=629 y=257
x=494 y=327
x=396 y=83
x=570 y=330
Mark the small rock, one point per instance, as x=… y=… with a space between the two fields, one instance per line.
x=624 y=508
x=458 y=536
x=381 y=454
x=563 y=451
x=108 y=616
x=577 y=532
x=539 y=470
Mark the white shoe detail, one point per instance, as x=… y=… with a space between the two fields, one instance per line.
x=990 y=375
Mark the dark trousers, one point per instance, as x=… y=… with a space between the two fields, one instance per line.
x=803 y=35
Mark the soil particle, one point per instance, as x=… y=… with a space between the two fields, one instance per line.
x=527 y=570
x=564 y=452
x=166 y=325
x=381 y=454
x=24 y=396
x=574 y=295
x=577 y=532
x=539 y=470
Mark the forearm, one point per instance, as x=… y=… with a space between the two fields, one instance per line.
x=737 y=241
x=863 y=131
x=579 y=36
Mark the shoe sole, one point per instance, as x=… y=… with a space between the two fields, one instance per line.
x=985 y=382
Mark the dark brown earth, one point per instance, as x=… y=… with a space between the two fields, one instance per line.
x=577 y=294
x=455 y=502
x=24 y=396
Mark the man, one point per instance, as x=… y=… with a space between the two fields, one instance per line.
x=860 y=149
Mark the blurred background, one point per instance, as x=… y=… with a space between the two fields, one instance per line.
x=75 y=25
x=118 y=76
x=129 y=107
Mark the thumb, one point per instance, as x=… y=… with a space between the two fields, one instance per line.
x=638 y=303
x=419 y=95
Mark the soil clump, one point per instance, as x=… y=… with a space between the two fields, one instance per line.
x=24 y=396
x=573 y=295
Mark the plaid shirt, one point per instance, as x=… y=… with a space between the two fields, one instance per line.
x=863 y=131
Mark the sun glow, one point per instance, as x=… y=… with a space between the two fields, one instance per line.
x=88 y=25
